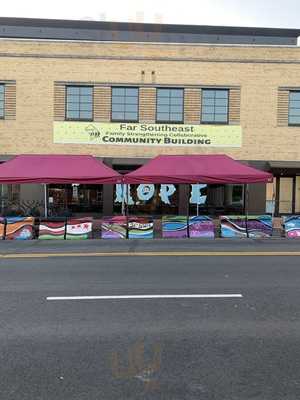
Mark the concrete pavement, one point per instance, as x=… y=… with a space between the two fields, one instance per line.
x=227 y=349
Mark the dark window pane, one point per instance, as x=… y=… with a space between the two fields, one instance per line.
x=86 y=91
x=72 y=98
x=163 y=93
x=73 y=114
x=130 y=116
x=208 y=93
x=72 y=106
x=162 y=116
x=208 y=101
x=208 y=110
x=132 y=100
x=294 y=112
x=221 y=110
x=221 y=117
x=163 y=100
x=176 y=101
x=208 y=117
x=295 y=96
x=221 y=102
x=176 y=109
x=131 y=107
x=117 y=116
x=132 y=92
x=176 y=93
x=162 y=109
x=73 y=90
x=118 y=107
x=221 y=94
x=86 y=107
x=294 y=120
x=176 y=117
x=85 y=115
x=118 y=91
x=86 y=99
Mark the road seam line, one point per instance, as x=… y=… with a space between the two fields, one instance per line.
x=151 y=296
x=154 y=254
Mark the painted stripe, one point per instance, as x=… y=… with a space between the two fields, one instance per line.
x=157 y=254
x=150 y=296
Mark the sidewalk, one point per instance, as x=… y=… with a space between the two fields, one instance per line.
x=143 y=245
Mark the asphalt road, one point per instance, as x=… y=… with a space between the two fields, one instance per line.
x=187 y=348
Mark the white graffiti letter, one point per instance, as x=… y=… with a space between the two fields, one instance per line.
x=145 y=192
x=196 y=194
x=165 y=192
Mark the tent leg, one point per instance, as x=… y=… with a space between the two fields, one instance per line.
x=123 y=199
x=46 y=200
x=127 y=209
x=188 y=211
x=246 y=188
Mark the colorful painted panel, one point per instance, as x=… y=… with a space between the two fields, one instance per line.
x=114 y=227
x=233 y=226
x=201 y=227
x=2 y=227
x=51 y=229
x=19 y=228
x=174 y=226
x=79 y=228
x=292 y=226
x=260 y=226
x=140 y=228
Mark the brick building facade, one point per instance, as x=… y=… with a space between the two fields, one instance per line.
x=257 y=71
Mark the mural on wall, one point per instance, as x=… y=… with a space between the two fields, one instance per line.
x=19 y=228
x=140 y=228
x=201 y=227
x=233 y=226
x=2 y=227
x=292 y=226
x=259 y=226
x=114 y=227
x=254 y=226
x=174 y=226
x=146 y=192
x=52 y=229
x=79 y=228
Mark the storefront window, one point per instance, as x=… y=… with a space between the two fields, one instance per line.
x=75 y=199
x=148 y=199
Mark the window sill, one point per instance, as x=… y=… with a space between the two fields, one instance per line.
x=79 y=120
x=118 y=121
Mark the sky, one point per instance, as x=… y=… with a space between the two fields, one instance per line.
x=263 y=13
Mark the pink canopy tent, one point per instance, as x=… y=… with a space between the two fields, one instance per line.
x=57 y=169
x=190 y=169
x=60 y=169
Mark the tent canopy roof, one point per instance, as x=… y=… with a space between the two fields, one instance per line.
x=211 y=169
x=57 y=169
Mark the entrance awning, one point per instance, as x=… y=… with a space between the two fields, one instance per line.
x=211 y=169
x=60 y=169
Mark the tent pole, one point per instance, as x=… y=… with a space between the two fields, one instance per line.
x=127 y=209
x=46 y=200
x=188 y=211
x=246 y=188
x=123 y=198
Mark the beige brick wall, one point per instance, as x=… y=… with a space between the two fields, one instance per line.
x=39 y=67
